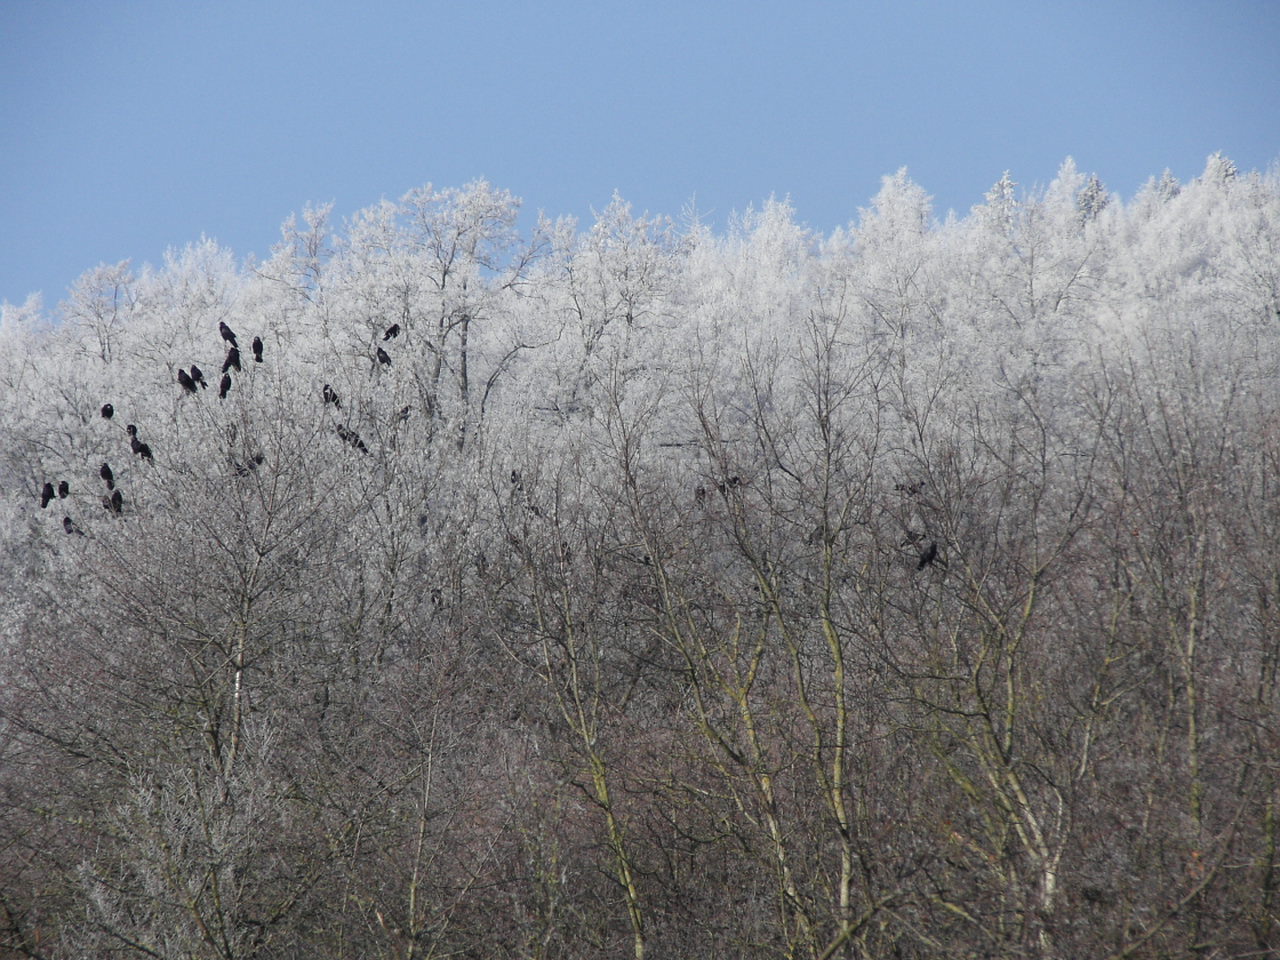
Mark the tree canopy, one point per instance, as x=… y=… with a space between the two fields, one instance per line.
x=637 y=589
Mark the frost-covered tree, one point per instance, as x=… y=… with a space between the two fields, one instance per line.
x=637 y=589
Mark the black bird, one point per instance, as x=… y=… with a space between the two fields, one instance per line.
x=233 y=360
x=331 y=397
x=64 y=489
x=392 y=332
x=105 y=473
x=244 y=469
x=187 y=383
x=69 y=525
x=141 y=449
x=351 y=437
x=113 y=503
x=198 y=376
x=46 y=494
x=131 y=429
x=929 y=556
x=257 y=349
x=516 y=480
x=404 y=413
x=383 y=357
x=108 y=411
x=227 y=333
x=224 y=386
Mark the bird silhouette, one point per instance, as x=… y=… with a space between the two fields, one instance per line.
x=64 y=489
x=113 y=503
x=257 y=349
x=69 y=525
x=351 y=437
x=188 y=384
x=108 y=411
x=244 y=469
x=331 y=396
x=224 y=386
x=227 y=333
x=393 y=331
x=138 y=447
x=233 y=360
x=198 y=376
x=383 y=357
x=929 y=556
x=46 y=494
x=105 y=473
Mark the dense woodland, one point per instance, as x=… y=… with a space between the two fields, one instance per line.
x=633 y=589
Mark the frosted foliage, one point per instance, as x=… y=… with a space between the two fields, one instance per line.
x=434 y=587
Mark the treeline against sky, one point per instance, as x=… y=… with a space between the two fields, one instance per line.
x=430 y=589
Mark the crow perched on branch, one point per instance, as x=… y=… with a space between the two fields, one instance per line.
x=224 y=386
x=69 y=525
x=257 y=349
x=198 y=376
x=227 y=333
x=383 y=357
x=138 y=447
x=392 y=332
x=331 y=396
x=64 y=489
x=108 y=411
x=929 y=556
x=105 y=473
x=351 y=437
x=46 y=494
x=188 y=384
x=233 y=360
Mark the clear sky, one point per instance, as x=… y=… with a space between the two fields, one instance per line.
x=130 y=127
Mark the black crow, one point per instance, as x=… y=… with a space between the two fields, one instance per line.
x=929 y=556
x=108 y=411
x=244 y=469
x=113 y=503
x=383 y=357
x=131 y=430
x=392 y=332
x=224 y=386
x=330 y=396
x=64 y=489
x=69 y=525
x=257 y=349
x=141 y=449
x=198 y=376
x=233 y=360
x=46 y=494
x=105 y=473
x=353 y=438
x=227 y=333
x=187 y=383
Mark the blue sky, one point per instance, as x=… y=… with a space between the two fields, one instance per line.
x=128 y=128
